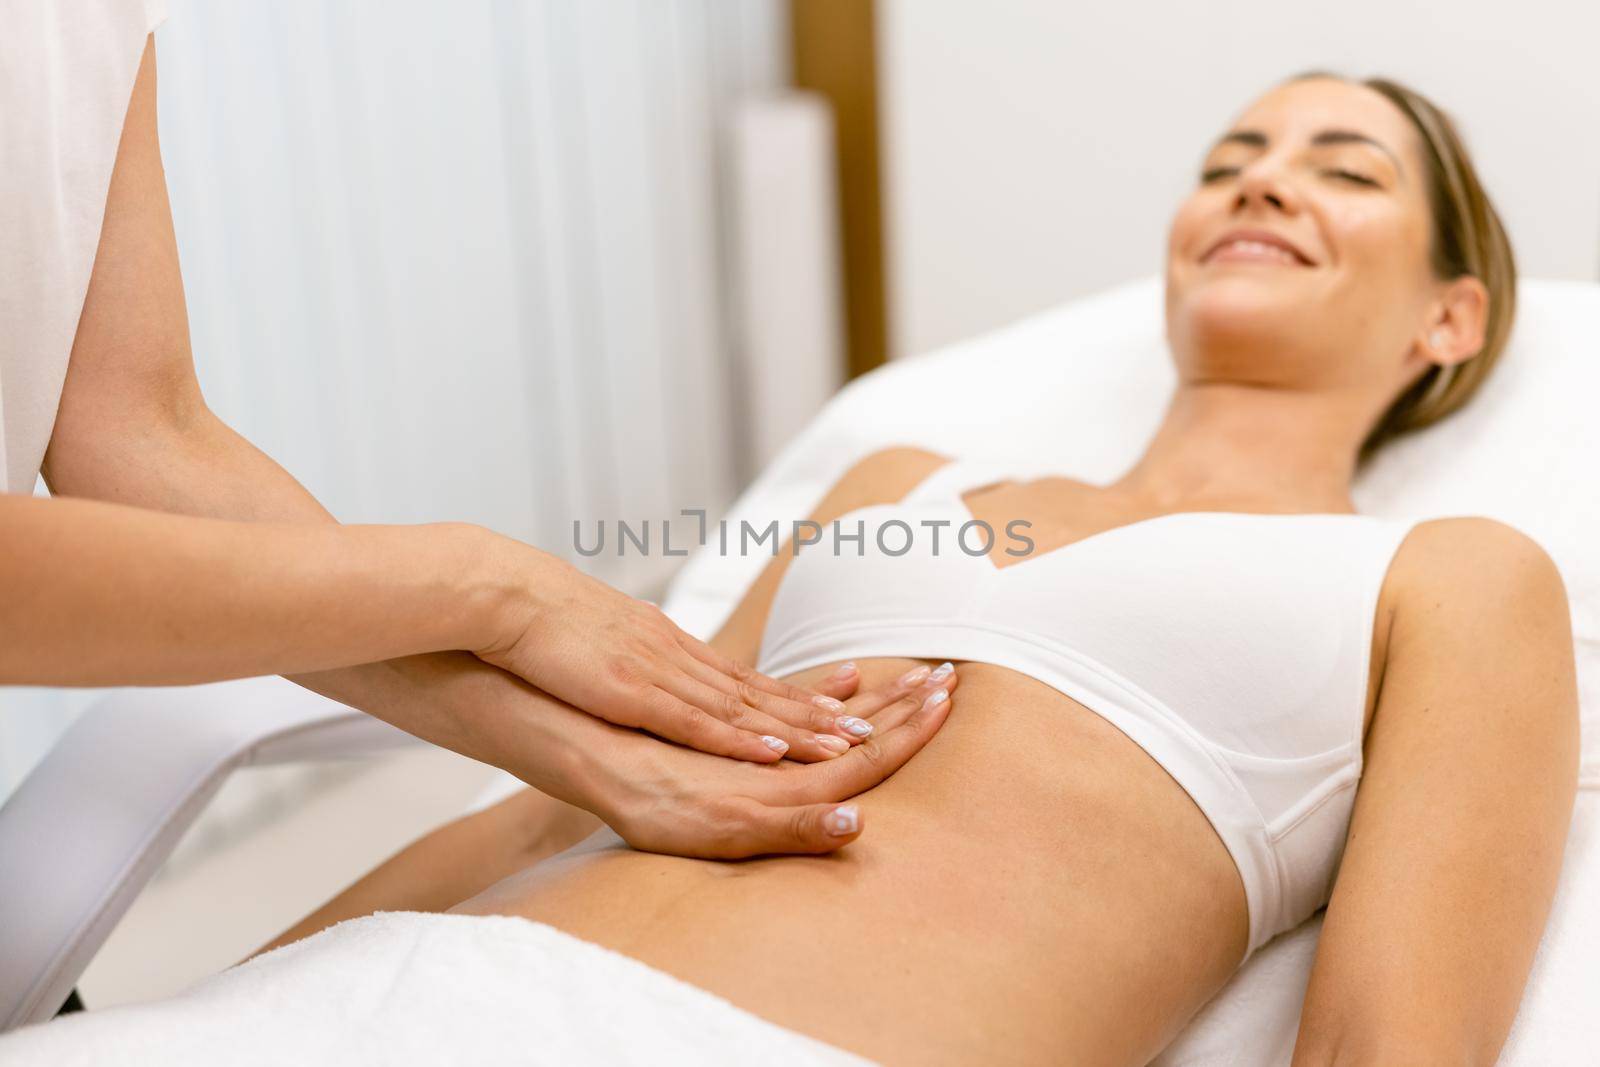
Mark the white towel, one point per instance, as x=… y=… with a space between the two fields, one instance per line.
x=402 y=988
x=410 y=988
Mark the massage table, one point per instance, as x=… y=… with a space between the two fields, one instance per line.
x=1082 y=385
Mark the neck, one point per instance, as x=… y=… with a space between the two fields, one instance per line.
x=1249 y=448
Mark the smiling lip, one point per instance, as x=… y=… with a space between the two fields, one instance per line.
x=1265 y=237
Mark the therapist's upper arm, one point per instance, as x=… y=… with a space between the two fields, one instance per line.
x=131 y=371
x=1462 y=811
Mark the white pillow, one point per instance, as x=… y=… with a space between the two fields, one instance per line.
x=1085 y=384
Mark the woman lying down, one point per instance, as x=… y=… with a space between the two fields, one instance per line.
x=1211 y=700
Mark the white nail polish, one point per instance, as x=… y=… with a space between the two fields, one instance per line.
x=854 y=727
x=941 y=672
x=836 y=745
x=777 y=744
x=842 y=820
x=844 y=670
x=935 y=698
x=914 y=676
x=829 y=703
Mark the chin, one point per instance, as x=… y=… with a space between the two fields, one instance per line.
x=1239 y=312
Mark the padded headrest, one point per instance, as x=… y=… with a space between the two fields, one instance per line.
x=1083 y=387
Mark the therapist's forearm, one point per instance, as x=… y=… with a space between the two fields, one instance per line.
x=197 y=465
x=98 y=594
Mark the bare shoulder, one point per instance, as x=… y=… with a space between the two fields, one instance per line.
x=1479 y=607
x=890 y=465
x=882 y=477
x=1478 y=563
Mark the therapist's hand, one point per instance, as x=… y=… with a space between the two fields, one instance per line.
x=622 y=660
x=664 y=798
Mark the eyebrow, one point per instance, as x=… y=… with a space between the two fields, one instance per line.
x=1257 y=139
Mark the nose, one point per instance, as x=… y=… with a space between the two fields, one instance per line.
x=1263 y=184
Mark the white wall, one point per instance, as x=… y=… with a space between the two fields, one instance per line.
x=1035 y=150
x=791 y=298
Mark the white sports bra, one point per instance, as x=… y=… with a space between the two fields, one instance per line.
x=1232 y=647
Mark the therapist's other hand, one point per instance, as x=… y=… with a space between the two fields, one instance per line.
x=622 y=660
x=664 y=798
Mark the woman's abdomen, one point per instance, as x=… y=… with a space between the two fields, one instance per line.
x=1031 y=886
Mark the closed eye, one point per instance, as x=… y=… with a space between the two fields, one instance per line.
x=1351 y=176
x=1211 y=174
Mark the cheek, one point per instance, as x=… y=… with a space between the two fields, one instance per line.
x=1378 y=244
x=1382 y=274
x=1185 y=227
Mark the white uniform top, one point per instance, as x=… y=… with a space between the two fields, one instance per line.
x=66 y=72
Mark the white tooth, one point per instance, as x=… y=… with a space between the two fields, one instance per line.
x=1260 y=248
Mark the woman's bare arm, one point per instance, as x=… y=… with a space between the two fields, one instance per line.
x=455 y=862
x=1462 y=811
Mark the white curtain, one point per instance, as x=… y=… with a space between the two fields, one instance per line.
x=462 y=261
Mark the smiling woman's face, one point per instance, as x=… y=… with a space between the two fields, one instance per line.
x=1301 y=258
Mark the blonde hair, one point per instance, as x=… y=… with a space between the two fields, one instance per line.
x=1468 y=239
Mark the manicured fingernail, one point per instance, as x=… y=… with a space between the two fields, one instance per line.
x=836 y=745
x=844 y=670
x=778 y=744
x=845 y=819
x=854 y=727
x=941 y=672
x=829 y=703
x=914 y=676
x=935 y=698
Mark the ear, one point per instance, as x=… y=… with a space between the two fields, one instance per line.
x=1456 y=322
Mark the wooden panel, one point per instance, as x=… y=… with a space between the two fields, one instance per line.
x=835 y=54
